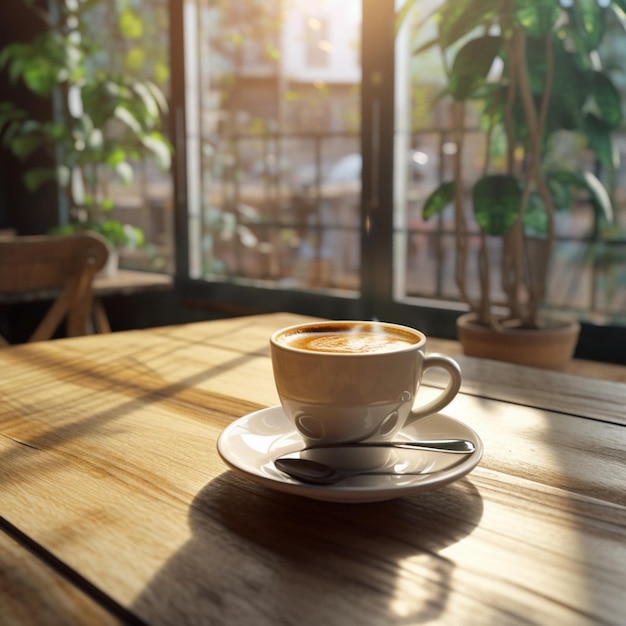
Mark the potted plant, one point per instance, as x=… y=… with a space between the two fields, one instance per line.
x=104 y=117
x=95 y=218
x=530 y=70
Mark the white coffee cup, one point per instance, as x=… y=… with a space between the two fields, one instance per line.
x=352 y=381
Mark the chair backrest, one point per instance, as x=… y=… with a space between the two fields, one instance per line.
x=63 y=265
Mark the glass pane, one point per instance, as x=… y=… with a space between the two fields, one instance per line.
x=273 y=146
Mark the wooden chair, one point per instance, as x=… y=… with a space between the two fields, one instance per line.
x=64 y=267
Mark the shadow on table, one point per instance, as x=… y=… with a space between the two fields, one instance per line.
x=262 y=557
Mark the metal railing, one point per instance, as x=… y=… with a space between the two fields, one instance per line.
x=278 y=209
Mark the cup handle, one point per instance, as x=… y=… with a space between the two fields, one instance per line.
x=446 y=396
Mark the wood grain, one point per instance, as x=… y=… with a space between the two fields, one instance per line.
x=32 y=593
x=108 y=460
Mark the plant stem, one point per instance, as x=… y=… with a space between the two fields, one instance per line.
x=536 y=125
x=483 y=252
x=539 y=287
x=485 y=281
x=460 y=230
x=512 y=242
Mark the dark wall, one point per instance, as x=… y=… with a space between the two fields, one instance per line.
x=27 y=212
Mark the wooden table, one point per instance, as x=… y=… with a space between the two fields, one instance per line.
x=115 y=507
x=122 y=283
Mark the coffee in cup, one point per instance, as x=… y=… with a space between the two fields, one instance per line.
x=354 y=381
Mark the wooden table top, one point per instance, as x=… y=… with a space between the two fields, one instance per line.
x=115 y=507
x=124 y=282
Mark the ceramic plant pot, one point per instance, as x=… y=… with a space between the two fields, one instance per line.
x=550 y=347
x=112 y=265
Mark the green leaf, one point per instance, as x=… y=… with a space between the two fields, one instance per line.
x=570 y=178
x=118 y=234
x=600 y=140
x=471 y=66
x=138 y=236
x=458 y=18
x=66 y=229
x=159 y=148
x=125 y=116
x=11 y=131
x=599 y=197
x=41 y=79
x=495 y=98
x=95 y=139
x=620 y=5
x=34 y=178
x=23 y=146
x=537 y=17
x=607 y=99
x=438 y=200
x=107 y=204
x=158 y=95
x=497 y=201
x=589 y=18
x=57 y=130
x=117 y=155
x=125 y=172
x=131 y=24
x=135 y=58
x=536 y=215
x=113 y=231
x=161 y=75
x=431 y=43
x=149 y=102
x=5 y=55
x=586 y=181
x=571 y=86
x=12 y=121
x=32 y=127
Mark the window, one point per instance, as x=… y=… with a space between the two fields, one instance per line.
x=272 y=209
x=272 y=159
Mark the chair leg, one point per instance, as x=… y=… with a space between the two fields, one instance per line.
x=78 y=314
x=100 y=318
x=55 y=314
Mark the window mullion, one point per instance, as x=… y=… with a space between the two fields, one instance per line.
x=377 y=144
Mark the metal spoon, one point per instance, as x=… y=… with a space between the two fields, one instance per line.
x=309 y=470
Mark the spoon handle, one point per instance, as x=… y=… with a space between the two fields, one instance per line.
x=454 y=446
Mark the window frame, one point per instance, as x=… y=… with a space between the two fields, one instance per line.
x=377 y=101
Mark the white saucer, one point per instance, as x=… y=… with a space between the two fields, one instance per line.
x=250 y=445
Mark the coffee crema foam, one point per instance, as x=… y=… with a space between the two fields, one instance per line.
x=350 y=342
